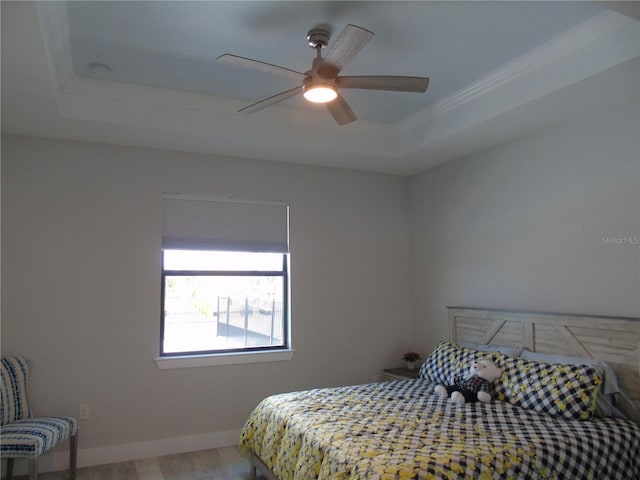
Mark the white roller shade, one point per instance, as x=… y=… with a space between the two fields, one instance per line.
x=197 y=223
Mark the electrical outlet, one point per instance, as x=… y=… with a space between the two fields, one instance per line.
x=83 y=412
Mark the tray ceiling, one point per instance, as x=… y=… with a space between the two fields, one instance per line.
x=497 y=69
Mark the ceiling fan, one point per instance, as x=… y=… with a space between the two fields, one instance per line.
x=322 y=84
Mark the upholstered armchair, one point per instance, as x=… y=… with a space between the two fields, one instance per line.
x=22 y=435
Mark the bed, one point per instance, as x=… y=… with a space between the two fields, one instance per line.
x=546 y=421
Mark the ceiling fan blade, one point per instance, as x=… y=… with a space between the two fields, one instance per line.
x=258 y=65
x=393 y=83
x=254 y=107
x=341 y=111
x=347 y=46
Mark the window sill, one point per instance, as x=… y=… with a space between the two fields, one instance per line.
x=240 y=358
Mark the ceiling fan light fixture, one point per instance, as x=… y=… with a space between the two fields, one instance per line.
x=320 y=93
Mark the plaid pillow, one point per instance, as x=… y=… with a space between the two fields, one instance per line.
x=568 y=391
x=448 y=360
x=13 y=390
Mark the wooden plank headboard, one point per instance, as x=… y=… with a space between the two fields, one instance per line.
x=614 y=340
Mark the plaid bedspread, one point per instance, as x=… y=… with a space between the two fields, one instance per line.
x=401 y=430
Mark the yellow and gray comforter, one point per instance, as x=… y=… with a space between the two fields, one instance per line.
x=401 y=430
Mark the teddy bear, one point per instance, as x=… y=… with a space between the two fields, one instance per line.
x=475 y=385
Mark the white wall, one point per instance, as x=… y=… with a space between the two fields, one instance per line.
x=521 y=226
x=81 y=228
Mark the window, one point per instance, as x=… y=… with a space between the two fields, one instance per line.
x=225 y=282
x=216 y=302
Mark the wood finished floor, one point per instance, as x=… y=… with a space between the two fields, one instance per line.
x=216 y=464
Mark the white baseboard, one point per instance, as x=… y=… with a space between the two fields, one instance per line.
x=89 y=457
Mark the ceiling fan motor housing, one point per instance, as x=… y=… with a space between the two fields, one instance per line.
x=311 y=82
x=318 y=37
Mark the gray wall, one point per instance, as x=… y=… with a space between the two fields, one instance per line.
x=81 y=228
x=525 y=225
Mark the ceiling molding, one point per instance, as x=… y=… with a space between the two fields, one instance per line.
x=565 y=44
x=597 y=45
x=54 y=26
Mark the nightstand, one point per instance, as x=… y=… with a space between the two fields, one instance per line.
x=402 y=373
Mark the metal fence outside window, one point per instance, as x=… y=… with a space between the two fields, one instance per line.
x=240 y=320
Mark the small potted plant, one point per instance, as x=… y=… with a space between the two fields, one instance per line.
x=412 y=359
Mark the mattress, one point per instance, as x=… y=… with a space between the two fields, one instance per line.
x=402 y=430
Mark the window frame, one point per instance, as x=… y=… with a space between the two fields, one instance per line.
x=233 y=353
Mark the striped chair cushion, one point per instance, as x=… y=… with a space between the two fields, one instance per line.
x=13 y=390
x=32 y=437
